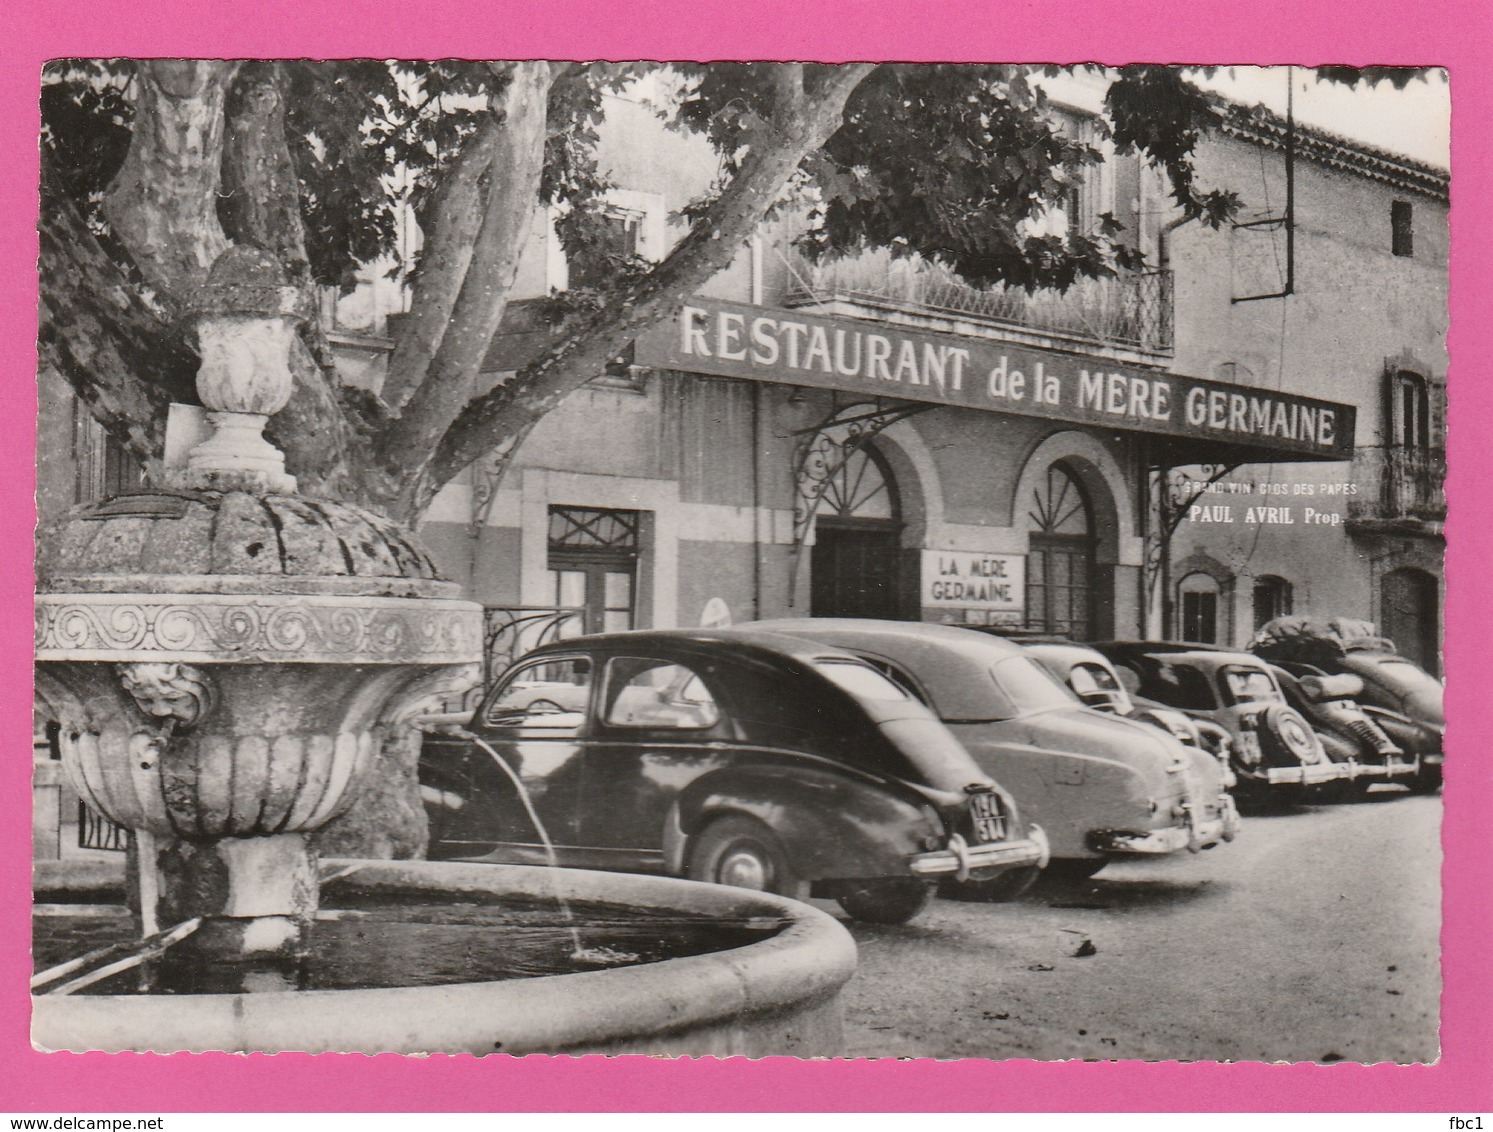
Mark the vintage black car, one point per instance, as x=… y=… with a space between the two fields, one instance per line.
x=1275 y=752
x=1348 y=731
x=740 y=758
x=1400 y=698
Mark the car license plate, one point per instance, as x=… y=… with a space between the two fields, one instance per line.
x=990 y=823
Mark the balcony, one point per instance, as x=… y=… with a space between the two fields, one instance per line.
x=1130 y=312
x=1400 y=489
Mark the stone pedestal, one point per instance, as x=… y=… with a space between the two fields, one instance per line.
x=237 y=878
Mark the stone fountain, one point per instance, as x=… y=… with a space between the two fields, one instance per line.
x=223 y=657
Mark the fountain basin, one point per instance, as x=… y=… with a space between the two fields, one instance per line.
x=778 y=995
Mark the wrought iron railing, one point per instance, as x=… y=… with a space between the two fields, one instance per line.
x=1132 y=309
x=511 y=631
x=1398 y=484
x=508 y=632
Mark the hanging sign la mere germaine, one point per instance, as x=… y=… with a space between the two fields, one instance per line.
x=884 y=360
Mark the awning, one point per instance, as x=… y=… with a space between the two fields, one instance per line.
x=1200 y=420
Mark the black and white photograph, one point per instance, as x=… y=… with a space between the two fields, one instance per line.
x=863 y=560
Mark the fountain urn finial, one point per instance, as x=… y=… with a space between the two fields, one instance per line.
x=246 y=317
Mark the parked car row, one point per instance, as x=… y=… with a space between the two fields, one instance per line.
x=874 y=761
x=1308 y=712
x=858 y=760
x=1100 y=787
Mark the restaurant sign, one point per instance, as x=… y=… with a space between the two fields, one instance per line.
x=963 y=579
x=885 y=360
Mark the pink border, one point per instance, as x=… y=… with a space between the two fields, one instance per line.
x=1450 y=33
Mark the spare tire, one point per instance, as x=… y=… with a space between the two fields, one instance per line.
x=1286 y=738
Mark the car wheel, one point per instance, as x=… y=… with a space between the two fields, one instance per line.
x=894 y=900
x=1427 y=780
x=742 y=853
x=1071 y=870
x=1010 y=885
x=1289 y=735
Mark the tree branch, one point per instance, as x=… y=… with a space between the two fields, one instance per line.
x=317 y=436
x=162 y=205
x=513 y=187
x=455 y=215
x=588 y=341
x=788 y=81
x=261 y=199
x=123 y=360
x=262 y=206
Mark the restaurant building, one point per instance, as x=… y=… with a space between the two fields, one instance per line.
x=872 y=437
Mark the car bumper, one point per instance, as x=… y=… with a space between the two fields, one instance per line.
x=963 y=861
x=1308 y=774
x=1195 y=835
x=1386 y=771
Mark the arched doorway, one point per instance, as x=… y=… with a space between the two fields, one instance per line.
x=1199 y=594
x=1060 y=565
x=1410 y=616
x=857 y=541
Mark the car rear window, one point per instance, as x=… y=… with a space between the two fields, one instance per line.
x=1250 y=685
x=861 y=680
x=1028 y=686
x=1097 y=687
x=1177 y=685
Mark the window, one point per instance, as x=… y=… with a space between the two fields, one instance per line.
x=593 y=557
x=1402 y=228
x=547 y=695
x=104 y=467
x=1060 y=564
x=1098 y=687
x=618 y=241
x=899 y=677
x=1411 y=412
x=1026 y=686
x=658 y=695
x=622 y=371
x=1200 y=609
x=1178 y=686
x=1272 y=598
x=1097 y=190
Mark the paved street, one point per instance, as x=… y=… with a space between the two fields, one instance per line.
x=1313 y=937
